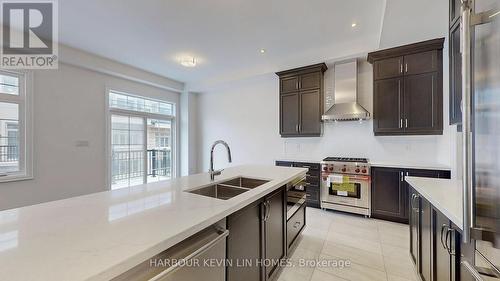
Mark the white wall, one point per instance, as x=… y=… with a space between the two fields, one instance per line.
x=69 y=106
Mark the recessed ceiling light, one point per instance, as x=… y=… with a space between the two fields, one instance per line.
x=262 y=51
x=188 y=62
x=354 y=24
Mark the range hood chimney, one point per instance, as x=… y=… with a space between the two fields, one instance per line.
x=346 y=106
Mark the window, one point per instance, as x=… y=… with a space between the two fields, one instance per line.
x=140 y=140
x=15 y=130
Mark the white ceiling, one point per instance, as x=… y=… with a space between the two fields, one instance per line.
x=224 y=35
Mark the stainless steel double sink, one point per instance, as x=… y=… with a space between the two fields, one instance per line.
x=230 y=188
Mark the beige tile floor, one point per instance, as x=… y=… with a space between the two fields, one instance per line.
x=377 y=250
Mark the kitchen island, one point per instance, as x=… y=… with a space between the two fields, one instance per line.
x=102 y=235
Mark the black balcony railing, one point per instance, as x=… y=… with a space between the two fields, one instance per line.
x=9 y=153
x=127 y=164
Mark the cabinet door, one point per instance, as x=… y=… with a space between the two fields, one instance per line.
x=441 y=257
x=423 y=173
x=425 y=240
x=420 y=63
x=388 y=106
x=289 y=84
x=310 y=81
x=245 y=242
x=389 y=194
x=422 y=104
x=455 y=75
x=275 y=227
x=310 y=112
x=454 y=10
x=289 y=114
x=388 y=68
x=414 y=220
x=284 y=163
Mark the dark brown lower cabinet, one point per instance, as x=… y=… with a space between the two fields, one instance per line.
x=435 y=242
x=414 y=221
x=257 y=232
x=441 y=255
x=425 y=240
x=275 y=231
x=390 y=191
x=244 y=242
x=389 y=194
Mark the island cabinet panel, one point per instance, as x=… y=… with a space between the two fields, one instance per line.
x=275 y=231
x=408 y=90
x=425 y=240
x=390 y=191
x=244 y=242
x=301 y=101
x=257 y=232
x=414 y=221
x=435 y=242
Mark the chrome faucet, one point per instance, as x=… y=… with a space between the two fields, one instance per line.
x=213 y=172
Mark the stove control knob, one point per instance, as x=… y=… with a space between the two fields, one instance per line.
x=344 y=170
x=364 y=171
x=357 y=170
x=324 y=178
x=331 y=168
x=325 y=168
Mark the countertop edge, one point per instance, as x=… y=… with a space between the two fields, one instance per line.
x=454 y=218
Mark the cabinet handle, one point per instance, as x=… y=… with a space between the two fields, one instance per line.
x=406 y=67
x=399 y=102
x=297 y=128
x=443 y=227
x=406 y=122
x=300 y=127
x=268 y=210
x=402 y=177
x=400 y=67
x=297 y=224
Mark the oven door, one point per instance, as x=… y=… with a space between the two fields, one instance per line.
x=356 y=194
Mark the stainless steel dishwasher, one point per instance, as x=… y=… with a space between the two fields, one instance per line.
x=199 y=257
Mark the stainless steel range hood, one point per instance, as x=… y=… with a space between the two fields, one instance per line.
x=346 y=106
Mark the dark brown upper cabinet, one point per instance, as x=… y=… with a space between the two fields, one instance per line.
x=408 y=89
x=455 y=6
x=388 y=68
x=301 y=101
x=455 y=60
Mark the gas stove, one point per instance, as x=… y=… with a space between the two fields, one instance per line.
x=344 y=165
x=346 y=185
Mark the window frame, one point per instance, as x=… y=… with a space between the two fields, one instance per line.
x=24 y=100
x=110 y=111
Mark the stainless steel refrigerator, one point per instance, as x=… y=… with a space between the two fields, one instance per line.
x=481 y=129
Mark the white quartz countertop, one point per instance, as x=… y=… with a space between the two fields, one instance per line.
x=101 y=235
x=411 y=166
x=443 y=194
